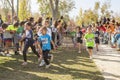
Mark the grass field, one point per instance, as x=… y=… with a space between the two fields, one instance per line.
x=67 y=65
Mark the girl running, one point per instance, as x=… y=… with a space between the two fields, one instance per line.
x=89 y=37
x=79 y=36
x=29 y=42
x=97 y=41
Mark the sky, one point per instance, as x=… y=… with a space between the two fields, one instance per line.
x=84 y=4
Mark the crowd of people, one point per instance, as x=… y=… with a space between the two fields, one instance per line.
x=45 y=35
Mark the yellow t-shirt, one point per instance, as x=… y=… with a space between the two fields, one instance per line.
x=11 y=28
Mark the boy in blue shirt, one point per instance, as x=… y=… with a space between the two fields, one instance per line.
x=46 y=41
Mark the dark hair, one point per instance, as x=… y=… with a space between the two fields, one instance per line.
x=78 y=27
x=56 y=23
x=16 y=24
x=48 y=18
x=59 y=21
x=22 y=23
x=113 y=21
x=4 y=25
x=31 y=19
x=39 y=20
x=61 y=17
x=29 y=24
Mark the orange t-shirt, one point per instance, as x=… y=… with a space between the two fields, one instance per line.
x=112 y=27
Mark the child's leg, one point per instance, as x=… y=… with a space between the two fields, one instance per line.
x=34 y=50
x=97 y=46
x=16 y=48
x=24 y=52
x=45 y=56
x=90 y=51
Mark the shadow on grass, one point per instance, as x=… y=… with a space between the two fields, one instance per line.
x=10 y=74
x=66 y=62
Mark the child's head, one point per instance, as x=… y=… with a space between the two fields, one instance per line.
x=28 y=25
x=4 y=26
x=46 y=24
x=22 y=23
x=78 y=28
x=89 y=30
x=16 y=24
x=44 y=30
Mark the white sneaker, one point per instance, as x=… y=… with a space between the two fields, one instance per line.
x=24 y=63
x=47 y=66
x=91 y=57
x=42 y=63
x=79 y=51
x=20 y=52
x=2 y=53
x=8 y=55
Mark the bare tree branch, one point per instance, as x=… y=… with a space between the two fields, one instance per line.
x=9 y=3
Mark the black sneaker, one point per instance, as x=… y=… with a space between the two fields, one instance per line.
x=17 y=53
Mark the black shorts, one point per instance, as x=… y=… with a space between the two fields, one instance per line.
x=90 y=47
x=97 y=41
x=79 y=40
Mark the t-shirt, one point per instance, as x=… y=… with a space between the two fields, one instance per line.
x=20 y=30
x=46 y=42
x=29 y=36
x=7 y=35
x=12 y=28
x=53 y=29
x=112 y=28
x=97 y=34
x=89 y=40
x=79 y=34
x=73 y=33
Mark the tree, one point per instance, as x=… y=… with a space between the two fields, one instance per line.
x=105 y=8
x=24 y=9
x=87 y=17
x=55 y=8
x=6 y=8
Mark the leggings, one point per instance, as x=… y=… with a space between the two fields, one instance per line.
x=25 y=50
x=45 y=56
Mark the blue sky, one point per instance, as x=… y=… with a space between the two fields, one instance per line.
x=84 y=4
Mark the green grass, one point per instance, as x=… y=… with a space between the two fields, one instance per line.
x=67 y=65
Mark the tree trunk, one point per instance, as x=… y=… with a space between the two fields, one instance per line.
x=12 y=9
x=54 y=9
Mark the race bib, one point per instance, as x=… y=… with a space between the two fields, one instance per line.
x=45 y=41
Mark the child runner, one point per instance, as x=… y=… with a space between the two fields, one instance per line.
x=20 y=31
x=29 y=41
x=7 y=39
x=89 y=37
x=97 y=41
x=46 y=41
x=79 y=36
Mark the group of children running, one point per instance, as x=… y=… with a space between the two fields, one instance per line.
x=43 y=36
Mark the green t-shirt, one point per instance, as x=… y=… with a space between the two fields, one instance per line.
x=20 y=30
x=73 y=33
x=89 y=40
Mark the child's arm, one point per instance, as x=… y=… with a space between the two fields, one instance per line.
x=53 y=44
x=39 y=47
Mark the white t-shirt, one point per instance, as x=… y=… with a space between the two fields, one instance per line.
x=53 y=28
